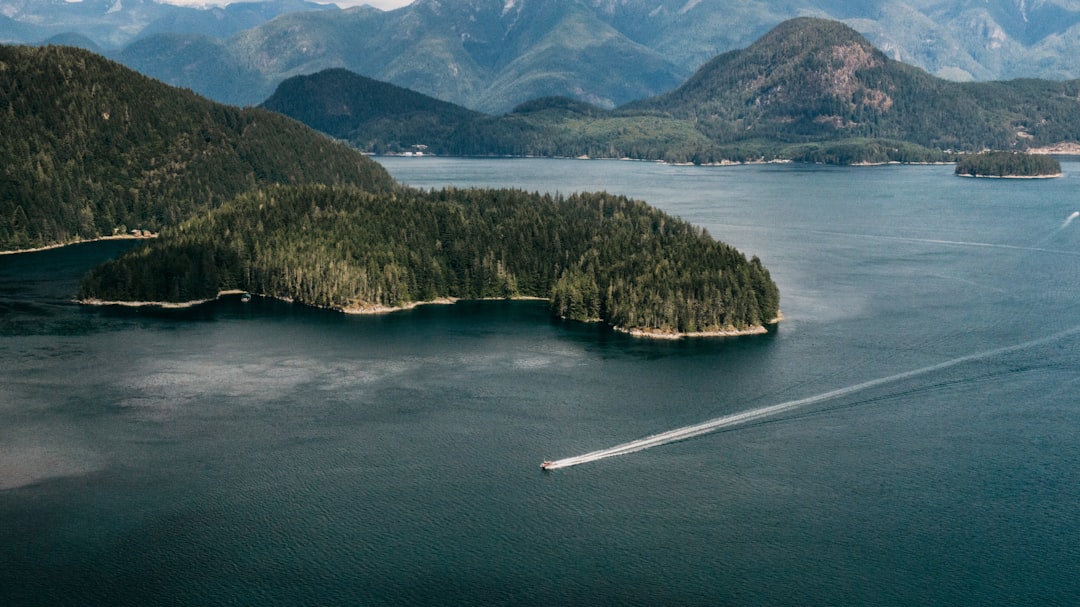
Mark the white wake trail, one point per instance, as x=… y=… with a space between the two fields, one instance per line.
x=1059 y=229
x=1036 y=248
x=712 y=425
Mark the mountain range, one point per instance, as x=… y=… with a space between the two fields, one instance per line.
x=810 y=89
x=492 y=55
x=113 y=24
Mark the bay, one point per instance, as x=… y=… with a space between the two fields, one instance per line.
x=265 y=453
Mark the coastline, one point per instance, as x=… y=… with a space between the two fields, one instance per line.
x=1058 y=149
x=658 y=334
x=369 y=309
x=80 y=241
x=359 y=309
x=1054 y=176
x=364 y=309
x=441 y=301
x=897 y=162
x=172 y=305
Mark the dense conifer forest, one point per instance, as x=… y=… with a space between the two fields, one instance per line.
x=594 y=256
x=89 y=148
x=1008 y=164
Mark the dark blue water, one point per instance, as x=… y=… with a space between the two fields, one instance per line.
x=264 y=453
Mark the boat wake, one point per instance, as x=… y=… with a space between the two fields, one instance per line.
x=1035 y=248
x=1068 y=220
x=687 y=432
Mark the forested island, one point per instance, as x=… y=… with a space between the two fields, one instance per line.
x=595 y=257
x=1008 y=164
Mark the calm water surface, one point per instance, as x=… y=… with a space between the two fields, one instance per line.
x=271 y=454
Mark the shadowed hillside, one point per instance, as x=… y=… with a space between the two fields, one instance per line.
x=91 y=148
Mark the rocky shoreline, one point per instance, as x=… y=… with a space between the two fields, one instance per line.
x=80 y=241
x=365 y=309
x=658 y=334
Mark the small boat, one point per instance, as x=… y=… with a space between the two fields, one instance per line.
x=245 y=297
x=546 y=465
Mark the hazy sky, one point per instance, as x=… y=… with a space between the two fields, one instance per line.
x=383 y=4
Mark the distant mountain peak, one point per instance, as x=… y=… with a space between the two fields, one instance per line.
x=803 y=34
x=823 y=57
x=800 y=58
x=806 y=78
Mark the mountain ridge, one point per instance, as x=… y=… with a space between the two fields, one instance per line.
x=492 y=55
x=113 y=24
x=808 y=81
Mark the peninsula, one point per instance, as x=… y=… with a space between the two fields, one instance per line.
x=594 y=257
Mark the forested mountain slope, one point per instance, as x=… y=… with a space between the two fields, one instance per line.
x=372 y=115
x=91 y=148
x=812 y=79
x=955 y=39
x=594 y=256
x=811 y=89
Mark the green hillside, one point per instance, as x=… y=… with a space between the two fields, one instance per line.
x=374 y=116
x=382 y=118
x=91 y=148
x=814 y=80
x=594 y=256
